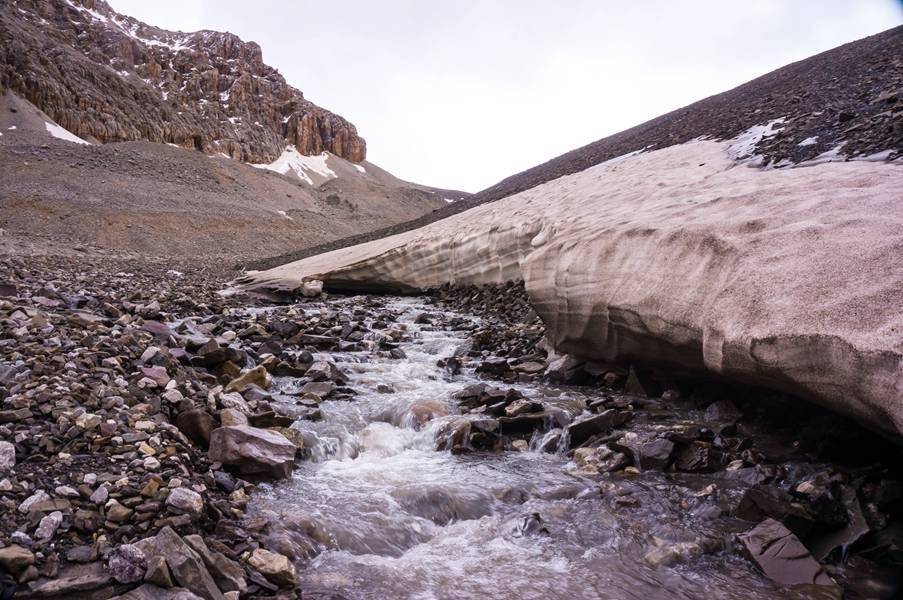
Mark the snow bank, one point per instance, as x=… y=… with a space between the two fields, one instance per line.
x=787 y=278
x=63 y=134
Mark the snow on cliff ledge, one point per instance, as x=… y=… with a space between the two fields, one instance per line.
x=787 y=278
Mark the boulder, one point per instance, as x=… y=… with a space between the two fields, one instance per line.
x=257 y=376
x=253 y=452
x=197 y=425
x=762 y=501
x=157 y=572
x=782 y=556
x=185 y=566
x=585 y=428
x=16 y=559
x=77 y=581
x=127 y=563
x=275 y=567
x=184 y=500
x=229 y=575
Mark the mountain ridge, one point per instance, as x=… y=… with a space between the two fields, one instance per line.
x=107 y=77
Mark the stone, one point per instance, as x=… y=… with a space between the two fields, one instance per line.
x=149 y=591
x=275 y=567
x=781 y=555
x=583 y=429
x=158 y=573
x=185 y=566
x=655 y=454
x=257 y=376
x=722 y=411
x=16 y=559
x=230 y=416
x=48 y=526
x=320 y=389
x=156 y=374
x=197 y=425
x=253 y=452
x=38 y=496
x=228 y=574
x=127 y=563
x=100 y=495
x=87 y=421
x=7 y=456
x=117 y=513
x=760 y=501
x=73 y=582
x=697 y=457
x=184 y=500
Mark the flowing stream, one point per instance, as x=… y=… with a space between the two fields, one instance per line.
x=393 y=517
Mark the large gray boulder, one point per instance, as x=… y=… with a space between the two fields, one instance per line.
x=253 y=452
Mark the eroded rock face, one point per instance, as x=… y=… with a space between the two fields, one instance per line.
x=107 y=77
x=780 y=278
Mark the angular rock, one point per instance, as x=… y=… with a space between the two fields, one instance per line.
x=762 y=501
x=184 y=500
x=253 y=452
x=228 y=574
x=48 y=526
x=16 y=559
x=7 y=456
x=127 y=563
x=158 y=572
x=257 y=376
x=197 y=425
x=782 y=556
x=275 y=567
x=185 y=566
x=580 y=431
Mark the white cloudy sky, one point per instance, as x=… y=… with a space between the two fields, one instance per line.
x=462 y=93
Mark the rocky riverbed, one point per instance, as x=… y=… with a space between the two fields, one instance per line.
x=160 y=440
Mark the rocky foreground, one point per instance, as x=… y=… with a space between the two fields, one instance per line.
x=137 y=415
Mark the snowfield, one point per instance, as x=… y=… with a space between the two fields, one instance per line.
x=789 y=278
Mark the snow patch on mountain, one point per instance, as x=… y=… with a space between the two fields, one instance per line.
x=63 y=134
x=307 y=168
x=743 y=147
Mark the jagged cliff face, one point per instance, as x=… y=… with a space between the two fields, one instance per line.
x=107 y=77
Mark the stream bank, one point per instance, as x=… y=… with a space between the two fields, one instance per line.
x=432 y=450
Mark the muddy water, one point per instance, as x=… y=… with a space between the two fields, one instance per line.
x=392 y=517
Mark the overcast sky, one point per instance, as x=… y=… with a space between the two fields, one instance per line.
x=462 y=93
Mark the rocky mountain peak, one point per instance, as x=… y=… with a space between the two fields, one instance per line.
x=107 y=77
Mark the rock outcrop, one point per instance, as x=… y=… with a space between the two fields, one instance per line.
x=680 y=258
x=108 y=77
